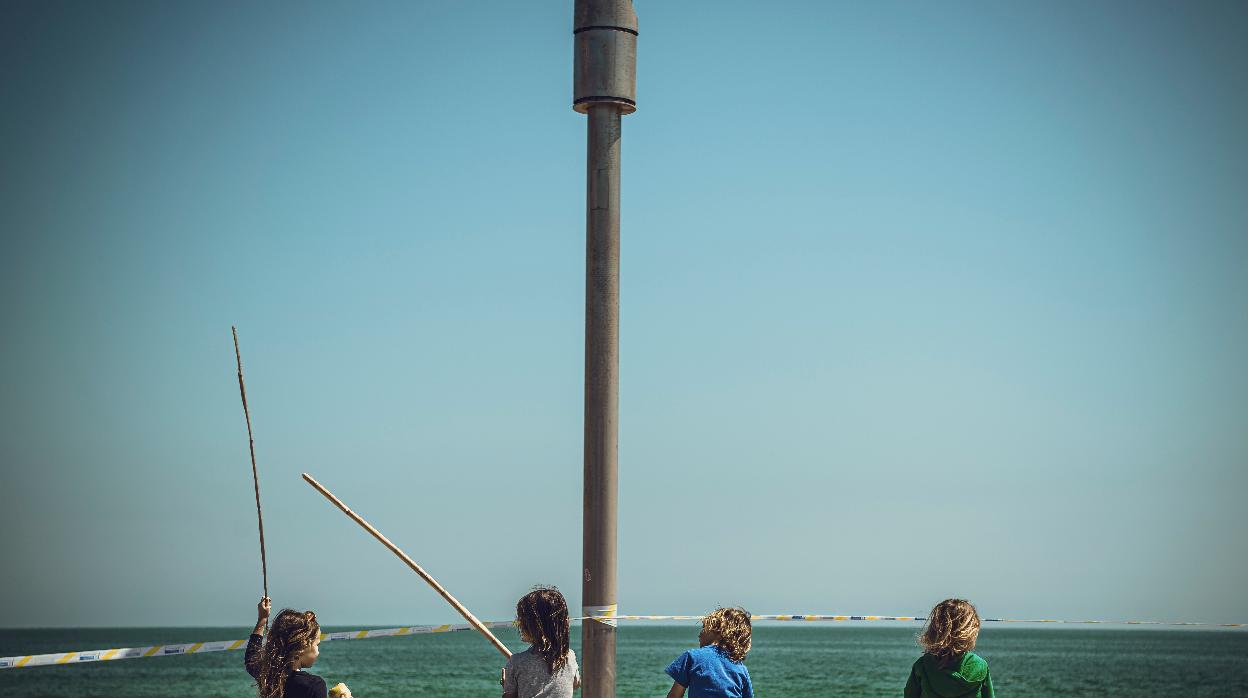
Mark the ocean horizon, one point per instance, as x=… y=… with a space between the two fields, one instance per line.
x=787 y=659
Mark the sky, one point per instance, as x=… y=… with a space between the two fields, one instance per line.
x=919 y=300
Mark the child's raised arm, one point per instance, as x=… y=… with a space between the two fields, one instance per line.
x=251 y=658
x=262 y=615
x=677 y=691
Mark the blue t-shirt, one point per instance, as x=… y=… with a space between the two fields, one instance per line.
x=708 y=673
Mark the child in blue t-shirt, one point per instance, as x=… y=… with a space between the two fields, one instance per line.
x=716 y=668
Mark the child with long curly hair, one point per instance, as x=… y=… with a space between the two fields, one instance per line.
x=716 y=669
x=547 y=669
x=277 y=663
x=948 y=667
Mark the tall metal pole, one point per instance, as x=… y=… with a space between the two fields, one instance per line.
x=604 y=87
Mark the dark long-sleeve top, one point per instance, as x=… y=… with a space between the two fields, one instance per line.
x=299 y=684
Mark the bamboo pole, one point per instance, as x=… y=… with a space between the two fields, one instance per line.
x=472 y=620
x=251 y=445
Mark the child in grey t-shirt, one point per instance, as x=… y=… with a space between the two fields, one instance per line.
x=547 y=669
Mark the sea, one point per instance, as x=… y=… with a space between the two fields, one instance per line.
x=787 y=660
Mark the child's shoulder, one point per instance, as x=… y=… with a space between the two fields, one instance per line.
x=705 y=652
x=973 y=666
x=696 y=655
x=713 y=654
x=531 y=658
x=525 y=656
x=303 y=683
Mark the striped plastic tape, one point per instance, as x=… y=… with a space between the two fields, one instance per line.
x=33 y=660
x=603 y=614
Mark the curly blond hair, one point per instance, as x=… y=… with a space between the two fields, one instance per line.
x=731 y=630
x=951 y=630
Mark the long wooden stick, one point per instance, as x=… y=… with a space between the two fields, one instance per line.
x=472 y=620
x=251 y=445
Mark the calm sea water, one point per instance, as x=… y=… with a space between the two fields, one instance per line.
x=787 y=660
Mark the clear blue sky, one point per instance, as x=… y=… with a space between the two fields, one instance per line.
x=919 y=300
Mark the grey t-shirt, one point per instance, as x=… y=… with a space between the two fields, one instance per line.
x=528 y=676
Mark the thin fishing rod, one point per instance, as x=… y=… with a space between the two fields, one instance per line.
x=251 y=445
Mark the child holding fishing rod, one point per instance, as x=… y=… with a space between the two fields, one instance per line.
x=277 y=662
x=295 y=638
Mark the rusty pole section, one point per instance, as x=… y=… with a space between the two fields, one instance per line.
x=604 y=87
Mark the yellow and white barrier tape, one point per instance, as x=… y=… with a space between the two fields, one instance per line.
x=218 y=646
x=610 y=618
x=603 y=614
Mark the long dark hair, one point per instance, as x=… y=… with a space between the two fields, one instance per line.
x=290 y=636
x=543 y=616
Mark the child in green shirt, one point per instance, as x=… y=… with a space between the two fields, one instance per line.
x=948 y=667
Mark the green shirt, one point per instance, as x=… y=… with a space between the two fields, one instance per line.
x=968 y=678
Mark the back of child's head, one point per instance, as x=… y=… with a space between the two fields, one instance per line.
x=951 y=630
x=291 y=636
x=730 y=630
x=542 y=615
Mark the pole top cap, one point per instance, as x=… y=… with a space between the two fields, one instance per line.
x=614 y=14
